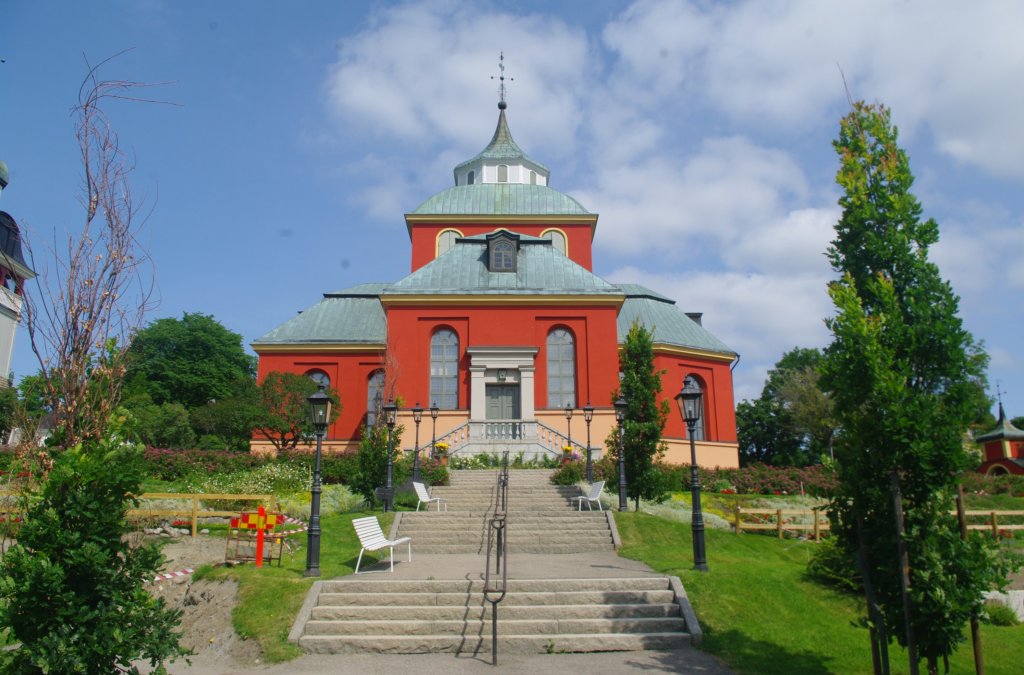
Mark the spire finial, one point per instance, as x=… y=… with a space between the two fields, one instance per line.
x=501 y=79
x=999 y=397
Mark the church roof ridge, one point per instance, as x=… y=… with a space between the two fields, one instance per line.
x=1004 y=429
x=509 y=199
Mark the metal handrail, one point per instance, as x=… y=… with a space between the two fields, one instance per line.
x=497 y=541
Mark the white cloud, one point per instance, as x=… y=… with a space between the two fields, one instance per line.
x=945 y=65
x=760 y=316
x=422 y=72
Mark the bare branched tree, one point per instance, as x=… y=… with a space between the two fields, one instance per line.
x=89 y=305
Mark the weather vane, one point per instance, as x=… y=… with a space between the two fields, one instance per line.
x=501 y=79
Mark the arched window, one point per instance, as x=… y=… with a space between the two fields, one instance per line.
x=698 y=428
x=503 y=257
x=471 y=178
x=444 y=369
x=374 y=397
x=446 y=239
x=561 y=369
x=320 y=377
x=503 y=173
x=557 y=240
x=533 y=178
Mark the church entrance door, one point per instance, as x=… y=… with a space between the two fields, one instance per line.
x=503 y=402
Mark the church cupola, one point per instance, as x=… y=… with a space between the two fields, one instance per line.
x=502 y=161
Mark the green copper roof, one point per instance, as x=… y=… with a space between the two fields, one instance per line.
x=501 y=148
x=540 y=270
x=1003 y=430
x=660 y=316
x=355 y=318
x=507 y=199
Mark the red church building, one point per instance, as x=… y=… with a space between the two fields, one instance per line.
x=1002 y=448
x=502 y=324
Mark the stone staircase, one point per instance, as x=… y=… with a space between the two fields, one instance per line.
x=543 y=518
x=537 y=616
x=441 y=608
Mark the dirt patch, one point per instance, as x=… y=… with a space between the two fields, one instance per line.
x=206 y=605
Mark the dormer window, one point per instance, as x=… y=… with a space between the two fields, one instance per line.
x=533 y=178
x=471 y=178
x=502 y=250
x=503 y=173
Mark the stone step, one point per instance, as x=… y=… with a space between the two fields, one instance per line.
x=532 y=548
x=513 y=598
x=508 y=626
x=618 y=584
x=515 y=526
x=481 y=643
x=482 y=611
x=515 y=537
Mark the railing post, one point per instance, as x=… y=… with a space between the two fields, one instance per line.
x=995 y=525
x=739 y=511
x=778 y=519
x=817 y=531
x=195 y=514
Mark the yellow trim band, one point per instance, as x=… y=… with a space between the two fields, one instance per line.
x=518 y=300
x=317 y=347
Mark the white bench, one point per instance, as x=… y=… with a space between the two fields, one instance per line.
x=424 y=497
x=372 y=539
x=593 y=496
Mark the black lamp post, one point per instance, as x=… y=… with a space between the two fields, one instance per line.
x=417 y=415
x=434 y=410
x=689 y=402
x=568 y=423
x=390 y=414
x=620 y=417
x=319 y=416
x=588 y=415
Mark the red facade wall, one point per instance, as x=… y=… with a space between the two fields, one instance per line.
x=716 y=380
x=578 y=236
x=349 y=372
x=594 y=329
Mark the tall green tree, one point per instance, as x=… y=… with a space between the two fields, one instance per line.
x=790 y=424
x=192 y=361
x=645 y=417
x=902 y=372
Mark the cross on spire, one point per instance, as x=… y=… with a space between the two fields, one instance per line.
x=501 y=78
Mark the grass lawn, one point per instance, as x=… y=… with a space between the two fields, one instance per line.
x=269 y=598
x=761 y=615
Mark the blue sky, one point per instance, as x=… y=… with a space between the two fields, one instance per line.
x=700 y=132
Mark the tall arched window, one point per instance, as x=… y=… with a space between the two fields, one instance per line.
x=698 y=428
x=561 y=369
x=471 y=178
x=444 y=369
x=445 y=240
x=557 y=240
x=502 y=173
x=374 y=397
x=320 y=377
x=533 y=178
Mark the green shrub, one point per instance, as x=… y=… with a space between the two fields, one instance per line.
x=998 y=614
x=569 y=473
x=273 y=478
x=72 y=588
x=830 y=566
x=333 y=499
x=342 y=467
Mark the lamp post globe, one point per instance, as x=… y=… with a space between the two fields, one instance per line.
x=620 y=418
x=568 y=423
x=319 y=418
x=417 y=416
x=390 y=416
x=588 y=416
x=434 y=412
x=688 y=400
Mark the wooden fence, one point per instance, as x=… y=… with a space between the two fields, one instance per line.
x=820 y=522
x=193 y=512
x=818 y=525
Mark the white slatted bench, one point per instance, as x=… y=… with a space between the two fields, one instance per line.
x=593 y=497
x=372 y=539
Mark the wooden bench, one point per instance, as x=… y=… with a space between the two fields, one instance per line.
x=372 y=539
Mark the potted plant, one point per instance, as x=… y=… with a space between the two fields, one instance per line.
x=441 y=452
x=566 y=454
